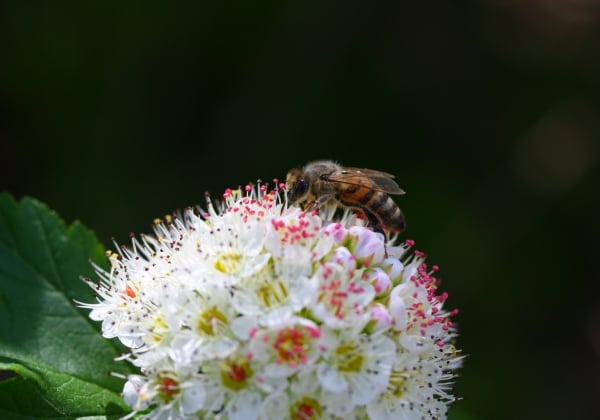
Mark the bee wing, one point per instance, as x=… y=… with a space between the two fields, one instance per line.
x=369 y=172
x=382 y=180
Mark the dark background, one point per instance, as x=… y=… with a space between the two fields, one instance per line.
x=487 y=111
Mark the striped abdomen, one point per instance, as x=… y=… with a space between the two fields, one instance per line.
x=378 y=206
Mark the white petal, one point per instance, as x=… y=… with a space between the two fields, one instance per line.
x=276 y=406
x=194 y=397
x=131 y=393
x=331 y=379
x=410 y=342
x=244 y=406
x=398 y=307
x=339 y=403
x=378 y=410
x=243 y=326
x=254 y=265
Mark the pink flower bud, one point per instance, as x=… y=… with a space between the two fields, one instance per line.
x=381 y=317
x=380 y=280
x=370 y=246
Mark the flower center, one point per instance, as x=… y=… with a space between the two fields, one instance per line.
x=159 y=328
x=229 y=262
x=349 y=358
x=209 y=319
x=234 y=375
x=168 y=388
x=293 y=344
x=129 y=291
x=397 y=383
x=272 y=292
x=306 y=409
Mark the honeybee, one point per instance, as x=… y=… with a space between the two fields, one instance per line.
x=325 y=182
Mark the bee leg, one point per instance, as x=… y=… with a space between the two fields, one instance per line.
x=307 y=205
x=375 y=223
x=379 y=229
x=322 y=199
x=376 y=226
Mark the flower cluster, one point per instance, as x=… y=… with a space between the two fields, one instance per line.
x=257 y=310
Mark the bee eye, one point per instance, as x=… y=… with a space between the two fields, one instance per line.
x=301 y=187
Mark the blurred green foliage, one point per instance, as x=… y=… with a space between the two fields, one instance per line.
x=487 y=111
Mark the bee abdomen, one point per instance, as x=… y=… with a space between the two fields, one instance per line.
x=390 y=214
x=379 y=207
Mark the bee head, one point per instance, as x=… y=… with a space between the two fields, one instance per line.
x=296 y=185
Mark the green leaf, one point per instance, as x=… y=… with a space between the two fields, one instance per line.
x=60 y=359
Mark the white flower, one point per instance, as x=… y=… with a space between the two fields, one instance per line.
x=355 y=368
x=343 y=296
x=253 y=309
x=417 y=386
x=173 y=395
x=278 y=290
x=287 y=347
x=205 y=317
x=235 y=388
